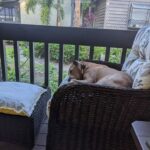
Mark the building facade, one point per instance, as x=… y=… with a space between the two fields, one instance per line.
x=122 y=14
x=10 y=11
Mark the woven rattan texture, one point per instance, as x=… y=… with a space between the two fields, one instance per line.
x=91 y=117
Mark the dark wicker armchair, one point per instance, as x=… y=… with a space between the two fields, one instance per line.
x=92 y=117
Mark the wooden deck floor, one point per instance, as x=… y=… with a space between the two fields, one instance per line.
x=40 y=141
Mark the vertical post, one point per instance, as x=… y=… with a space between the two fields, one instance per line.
x=91 y=53
x=31 y=54
x=3 y=61
x=107 y=54
x=60 y=63
x=16 y=58
x=46 y=64
x=123 y=56
x=76 y=52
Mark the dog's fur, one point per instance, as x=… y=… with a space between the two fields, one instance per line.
x=86 y=72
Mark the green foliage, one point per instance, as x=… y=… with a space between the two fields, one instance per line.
x=46 y=6
x=99 y=53
x=69 y=51
x=85 y=4
x=115 y=55
x=24 y=47
x=45 y=11
x=53 y=76
x=10 y=62
x=26 y=52
x=39 y=49
x=84 y=52
x=9 y=52
x=30 y=5
x=54 y=52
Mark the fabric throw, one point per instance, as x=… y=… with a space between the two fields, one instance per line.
x=142 y=78
x=137 y=63
x=18 y=98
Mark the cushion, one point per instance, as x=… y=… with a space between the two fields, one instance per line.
x=142 y=78
x=138 y=62
x=19 y=98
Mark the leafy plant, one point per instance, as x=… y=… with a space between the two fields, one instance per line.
x=115 y=55
x=99 y=53
x=46 y=6
x=10 y=62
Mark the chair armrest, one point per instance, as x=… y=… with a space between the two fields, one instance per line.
x=88 y=105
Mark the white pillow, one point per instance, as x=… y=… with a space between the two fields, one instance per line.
x=19 y=97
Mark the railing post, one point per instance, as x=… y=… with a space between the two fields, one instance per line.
x=16 y=58
x=31 y=54
x=46 y=64
x=61 y=53
x=107 y=54
x=123 y=56
x=91 y=53
x=76 y=52
x=3 y=61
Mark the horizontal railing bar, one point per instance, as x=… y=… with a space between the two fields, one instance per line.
x=31 y=55
x=67 y=35
x=61 y=53
x=3 y=61
x=46 y=64
x=16 y=59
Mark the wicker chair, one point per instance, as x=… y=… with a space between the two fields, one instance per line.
x=92 y=117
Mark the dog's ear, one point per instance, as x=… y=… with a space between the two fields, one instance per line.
x=75 y=62
x=83 y=66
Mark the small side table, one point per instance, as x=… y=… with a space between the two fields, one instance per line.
x=141 y=134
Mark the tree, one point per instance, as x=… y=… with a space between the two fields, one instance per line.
x=77 y=15
x=60 y=12
x=46 y=6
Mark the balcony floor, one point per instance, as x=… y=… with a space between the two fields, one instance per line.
x=40 y=141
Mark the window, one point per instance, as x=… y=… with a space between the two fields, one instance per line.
x=9 y=11
x=139 y=15
x=7 y=14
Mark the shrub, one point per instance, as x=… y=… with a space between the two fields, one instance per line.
x=99 y=53
x=39 y=49
x=10 y=62
x=115 y=55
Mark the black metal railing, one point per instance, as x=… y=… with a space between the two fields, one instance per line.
x=61 y=35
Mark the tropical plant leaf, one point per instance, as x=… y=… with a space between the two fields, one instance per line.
x=45 y=11
x=31 y=4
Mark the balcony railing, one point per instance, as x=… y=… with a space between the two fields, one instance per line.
x=61 y=35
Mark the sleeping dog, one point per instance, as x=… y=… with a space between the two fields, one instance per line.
x=86 y=72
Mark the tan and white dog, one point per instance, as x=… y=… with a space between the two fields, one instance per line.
x=86 y=72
